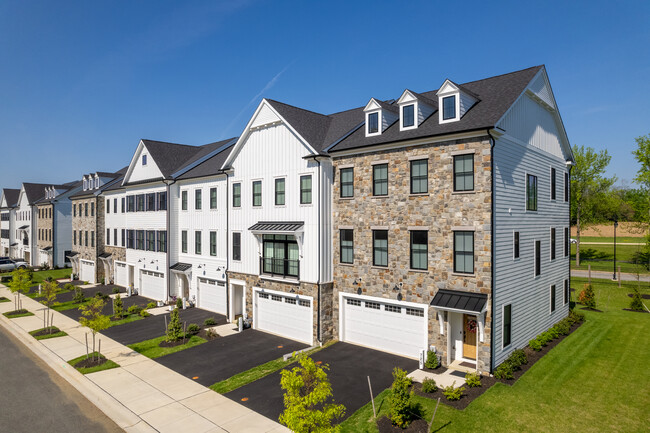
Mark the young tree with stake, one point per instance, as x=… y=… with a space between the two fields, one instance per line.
x=20 y=282
x=93 y=318
x=49 y=290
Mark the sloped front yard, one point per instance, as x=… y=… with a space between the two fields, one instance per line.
x=595 y=380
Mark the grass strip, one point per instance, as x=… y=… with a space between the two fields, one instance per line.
x=127 y=319
x=3 y=299
x=14 y=316
x=256 y=373
x=57 y=274
x=70 y=305
x=86 y=370
x=151 y=348
x=46 y=336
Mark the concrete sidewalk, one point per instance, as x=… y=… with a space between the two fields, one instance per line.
x=141 y=395
x=604 y=275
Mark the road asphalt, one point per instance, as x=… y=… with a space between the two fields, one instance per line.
x=36 y=399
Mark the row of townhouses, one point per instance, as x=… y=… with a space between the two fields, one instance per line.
x=434 y=220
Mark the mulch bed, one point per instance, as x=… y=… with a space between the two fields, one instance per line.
x=89 y=362
x=635 y=311
x=203 y=334
x=47 y=331
x=173 y=343
x=644 y=296
x=3 y=299
x=386 y=426
x=16 y=312
x=468 y=395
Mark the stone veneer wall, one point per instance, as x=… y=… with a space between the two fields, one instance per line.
x=438 y=211
x=117 y=253
x=306 y=289
x=44 y=223
x=86 y=223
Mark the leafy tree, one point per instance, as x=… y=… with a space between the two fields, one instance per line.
x=174 y=329
x=589 y=189
x=49 y=290
x=636 y=303
x=307 y=399
x=118 y=307
x=93 y=318
x=642 y=155
x=20 y=282
x=400 y=399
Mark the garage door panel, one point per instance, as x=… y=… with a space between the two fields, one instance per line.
x=152 y=285
x=285 y=316
x=385 y=326
x=87 y=271
x=121 y=274
x=212 y=296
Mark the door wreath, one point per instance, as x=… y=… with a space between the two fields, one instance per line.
x=471 y=325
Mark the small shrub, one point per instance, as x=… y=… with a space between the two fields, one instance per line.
x=78 y=297
x=453 y=393
x=563 y=326
x=504 y=371
x=576 y=316
x=209 y=322
x=134 y=309
x=56 y=267
x=400 y=399
x=100 y=295
x=553 y=333
x=518 y=358
x=151 y=305
x=473 y=380
x=636 y=303
x=85 y=283
x=174 y=329
x=68 y=287
x=144 y=313
x=588 y=296
x=118 y=307
x=211 y=333
x=193 y=329
x=535 y=345
x=103 y=281
x=429 y=385
x=544 y=338
x=179 y=303
x=432 y=360
x=116 y=290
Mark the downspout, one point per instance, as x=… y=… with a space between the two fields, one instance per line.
x=53 y=235
x=319 y=336
x=168 y=234
x=492 y=247
x=227 y=247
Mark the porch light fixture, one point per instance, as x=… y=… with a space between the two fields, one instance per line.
x=357 y=282
x=292 y=291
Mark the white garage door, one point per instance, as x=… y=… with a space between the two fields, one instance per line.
x=212 y=295
x=87 y=271
x=152 y=285
x=121 y=274
x=391 y=327
x=286 y=315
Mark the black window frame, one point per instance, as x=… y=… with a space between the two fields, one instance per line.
x=213 y=198
x=538 y=258
x=567 y=294
x=463 y=174
x=458 y=253
x=531 y=192
x=373 y=123
x=213 y=243
x=553 y=243
x=108 y=205
x=379 y=235
x=140 y=203
x=150 y=202
x=198 y=199
x=346 y=243
x=150 y=240
x=130 y=203
x=257 y=196
x=408 y=117
x=566 y=186
x=412 y=235
x=184 y=200
x=516 y=245
x=379 y=182
x=567 y=242
x=236 y=194
x=306 y=193
x=108 y=236
x=506 y=335
x=123 y=205
x=198 y=241
x=345 y=184
x=553 y=298
x=236 y=246
x=553 y=184
x=280 y=195
x=140 y=240
x=446 y=106
x=161 y=200
x=161 y=241
x=183 y=241
x=419 y=178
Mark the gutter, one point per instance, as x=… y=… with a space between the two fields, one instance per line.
x=320 y=199
x=492 y=247
x=227 y=246
x=168 y=184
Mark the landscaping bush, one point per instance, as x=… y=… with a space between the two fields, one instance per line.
x=134 y=309
x=78 y=297
x=100 y=295
x=209 y=322
x=453 y=393
x=553 y=333
x=636 y=303
x=563 y=326
x=518 y=358
x=432 y=360
x=429 y=385
x=576 y=316
x=151 y=305
x=68 y=287
x=544 y=338
x=535 y=345
x=174 y=329
x=588 y=297
x=193 y=329
x=400 y=399
x=504 y=371
x=144 y=313
x=118 y=307
x=116 y=290
x=473 y=380
x=179 y=303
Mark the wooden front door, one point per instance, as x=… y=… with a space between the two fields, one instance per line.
x=469 y=337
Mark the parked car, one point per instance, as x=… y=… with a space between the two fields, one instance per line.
x=9 y=265
x=574 y=241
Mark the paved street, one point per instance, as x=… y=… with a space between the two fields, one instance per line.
x=36 y=399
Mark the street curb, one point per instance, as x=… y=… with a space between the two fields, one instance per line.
x=111 y=407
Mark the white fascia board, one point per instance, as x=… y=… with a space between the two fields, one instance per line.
x=203 y=159
x=447 y=88
x=407 y=96
x=242 y=139
x=132 y=163
x=372 y=105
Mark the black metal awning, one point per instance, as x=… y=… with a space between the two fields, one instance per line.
x=180 y=267
x=14 y=244
x=277 y=226
x=72 y=254
x=46 y=249
x=456 y=300
x=104 y=255
x=22 y=227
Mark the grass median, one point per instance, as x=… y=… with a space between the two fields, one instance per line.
x=151 y=348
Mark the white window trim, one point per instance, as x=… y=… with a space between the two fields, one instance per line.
x=144 y=159
x=415 y=116
x=441 y=98
x=261 y=181
x=526 y=192
x=379 y=121
x=195 y=190
x=503 y=309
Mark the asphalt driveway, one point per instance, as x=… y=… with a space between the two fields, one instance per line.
x=154 y=326
x=349 y=367
x=224 y=357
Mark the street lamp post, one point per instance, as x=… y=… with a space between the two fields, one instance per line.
x=615 y=225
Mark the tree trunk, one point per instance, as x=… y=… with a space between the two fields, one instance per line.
x=93 y=358
x=578 y=237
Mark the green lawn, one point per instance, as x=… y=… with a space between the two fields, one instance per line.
x=601 y=257
x=595 y=380
x=127 y=319
x=151 y=349
x=621 y=239
x=40 y=276
x=70 y=305
x=3 y=299
x=86 y=370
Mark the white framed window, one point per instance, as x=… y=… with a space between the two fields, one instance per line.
x=408 y=116
x=373 y=123
x=144 y=159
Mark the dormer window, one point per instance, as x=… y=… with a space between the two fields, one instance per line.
x=144 y=159
x=373 y=123
x=85 y=184
x=408 y=116
x=449 y=107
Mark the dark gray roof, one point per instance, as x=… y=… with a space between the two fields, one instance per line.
x=276 y=226
x=66 y=186
x=210 y=166
x=495 y=94
x=114 y=183
x=181 y=267
x=11 y=195
x=34 y=191
x=169 y=157
x=104 y=255
x=459 y=300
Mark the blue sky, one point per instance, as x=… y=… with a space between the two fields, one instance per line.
x=82 y=81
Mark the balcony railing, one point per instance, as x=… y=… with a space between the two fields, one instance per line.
x=284 y=268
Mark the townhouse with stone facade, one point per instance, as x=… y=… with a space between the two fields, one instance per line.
x=113 y=257
x=87 y=228
x=25 y=246
x=8 y=203
x=451 y=216
x=54 y=225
